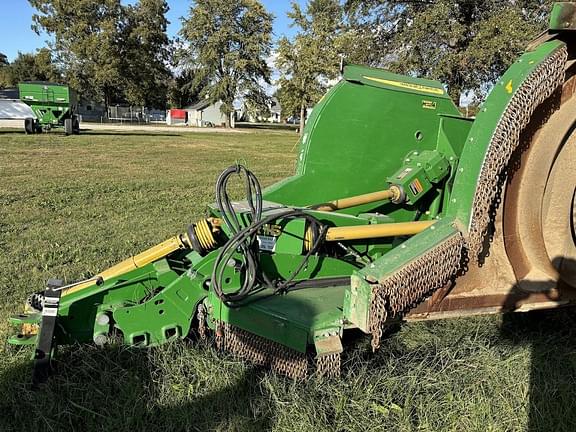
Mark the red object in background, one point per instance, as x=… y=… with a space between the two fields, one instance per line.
x=178 y=114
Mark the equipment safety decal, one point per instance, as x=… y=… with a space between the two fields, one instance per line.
x=267 y=243
x=416 y=187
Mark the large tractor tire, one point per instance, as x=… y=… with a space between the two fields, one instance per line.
x=75 y=125
x=68 y=128
x=29 y=126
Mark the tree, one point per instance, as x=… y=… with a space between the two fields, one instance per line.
x=86 y=38
x=465 y=44
x=4 y=77
x=309 y=61
x=228 y=43
x=146 y=54
x=31 y=67
x=181 y=91
x=109 y=51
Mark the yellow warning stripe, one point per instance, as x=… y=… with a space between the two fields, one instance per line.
x=408 y=86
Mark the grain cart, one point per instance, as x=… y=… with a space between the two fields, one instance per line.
x=55 y=106
x=400 y=208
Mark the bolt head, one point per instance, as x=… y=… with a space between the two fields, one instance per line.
x=100 y=339
x=102 y=319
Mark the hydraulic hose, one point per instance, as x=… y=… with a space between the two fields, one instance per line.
x=244 y=240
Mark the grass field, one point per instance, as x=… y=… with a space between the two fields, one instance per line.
x=69 y=207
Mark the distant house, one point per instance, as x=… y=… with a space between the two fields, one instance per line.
x=176 y=117
x=274 y=114
x=205 y=114
x=275 y=111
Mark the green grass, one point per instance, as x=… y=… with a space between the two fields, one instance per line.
x=72 y=206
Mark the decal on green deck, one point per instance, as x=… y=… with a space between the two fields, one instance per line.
x=267 y=243
x=409 y=86
x=426 y=104
x=416 y=187
x=268 y=236
x=272 y=230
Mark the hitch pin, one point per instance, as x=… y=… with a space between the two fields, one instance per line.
x=98 y=279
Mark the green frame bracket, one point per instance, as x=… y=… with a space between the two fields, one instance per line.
x=358 y=298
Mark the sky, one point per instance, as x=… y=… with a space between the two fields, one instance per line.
x=16 y=18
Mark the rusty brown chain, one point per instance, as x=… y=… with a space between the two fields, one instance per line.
x=536 y=88
x=328 y=366
x=219 y=336
x=264 y=352
x=201 y=322
x=277 y=357
x=412 y=283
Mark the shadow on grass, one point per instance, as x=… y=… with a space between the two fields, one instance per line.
x=127 y=132
x=91 y=132
x=7 y=131
x=115 y=389
x=552 y=392
x=268 y=126
x=552 y=337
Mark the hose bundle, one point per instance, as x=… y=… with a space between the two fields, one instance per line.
x=245 y=242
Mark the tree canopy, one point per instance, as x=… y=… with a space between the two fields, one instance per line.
x=109 y=50
x=118 y=51
x=29 y=67
x=228 y=44
x=4 y=76
x=146 y=53
x=182 y=90
x=311 y=59
x=465 y=44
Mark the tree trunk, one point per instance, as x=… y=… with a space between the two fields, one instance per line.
x=107 y=102
x=455 y=92
x=302 y=118
x=229 y=110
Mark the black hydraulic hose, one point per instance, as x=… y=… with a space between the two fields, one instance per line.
x=244 y=240
x=250 y=258
x=223 y=200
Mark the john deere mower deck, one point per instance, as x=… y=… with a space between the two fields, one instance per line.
x=394 y=212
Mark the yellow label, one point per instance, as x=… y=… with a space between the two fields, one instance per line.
x=431 y=105
x=509 y=87
x=271 y=230
x=409 y=86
